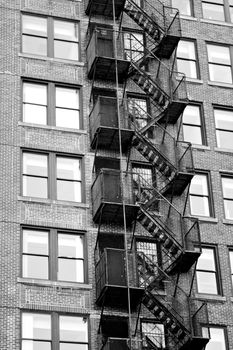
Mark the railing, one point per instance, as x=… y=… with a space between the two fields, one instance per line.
x=199 y=316
x=167 y=215
x=171 y=82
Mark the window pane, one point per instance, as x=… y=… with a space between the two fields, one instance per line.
x=199 y=185
x=35 y=93
x=73 y=329
x=69 y=191
x=207 y=260
x=65 y=30
x=223 y=119
x=34 y=45
x=35 y=345
x=192 y=134
x=215 y=12
x=35 y=187
x=206 y=282
x=228 y=206
x=35 y=242
x=219 y=54
x=231 y=260
x=34 y=25
x=187 y=67
x=35 y=267
x=35 y=114
x=155 y=333
x=186 y=49
x=68 y=168
x=183 y=6
x=68 y=98
x=217 y=341
x=227 y=184
x=66 y=50
x=36 y=326
x=199 y=206
x=70 y=270
x=35 y=164
x=191 y=115
x=224 y=139
x=70 y=245
x=67 y=118
x=220 y=73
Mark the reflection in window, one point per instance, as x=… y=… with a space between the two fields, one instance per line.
x=69 y=179
x=206 y=272
x=213 y=9
x=227 y=187
x=219 y=63
x=184 y=6
x=34 y=37
x=35 y=103
x=224 y=127
x=66 y=38
x=67 y=107
x=186 y=58
x=217 y=338
x=192 y=128
x=199 y=195
x=36 y=331
x=35 y=175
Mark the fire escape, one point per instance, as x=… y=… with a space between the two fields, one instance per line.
x=129 y=278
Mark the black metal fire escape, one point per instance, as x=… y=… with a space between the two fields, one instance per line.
x=144 y=203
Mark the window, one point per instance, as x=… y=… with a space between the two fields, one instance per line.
x=199 y=196
x=153 y=335
x=187 y=58
x=227 y=188
x=184 y=6
x=206 y=272
x=217 y=338
x=41 y=259
x=231 y=265
x=43 y=331
x=51 y=104
x=142 y=179
x=219 y=61
x=224 y=127
x=213 y=9
x=192 y=125
x=138 y=110
x=133 y=46
x=65 y=176
x=47 y=37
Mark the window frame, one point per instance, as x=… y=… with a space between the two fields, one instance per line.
x=227 y=176
x=223 y=6
x=55 y=326
x=230 y=250
x=129 y=52
x=201 y=126
x=153 y=321
x=51 y=102
x=53 y=254
x=51 y=37
x=226 y=11
x=210 y=195
x=224 y=328
x=230 y=47
x=195 y=59
x=52 y=174
x=221 y=108
x=216 y=272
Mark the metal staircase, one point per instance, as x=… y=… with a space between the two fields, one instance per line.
x=161 y=23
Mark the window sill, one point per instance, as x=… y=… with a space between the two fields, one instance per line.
x=223 y=150
x=210 y=297
x=216 y=22
x=219 y=84
x=200 y=147
x=51 y=59
x=57 y=284
x=227 y=221
x=205 y=219
x=52 y=201
x=192 y=80
x=50 y=127
x=189 y=18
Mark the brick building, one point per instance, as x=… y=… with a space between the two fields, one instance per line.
x=116 y=174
